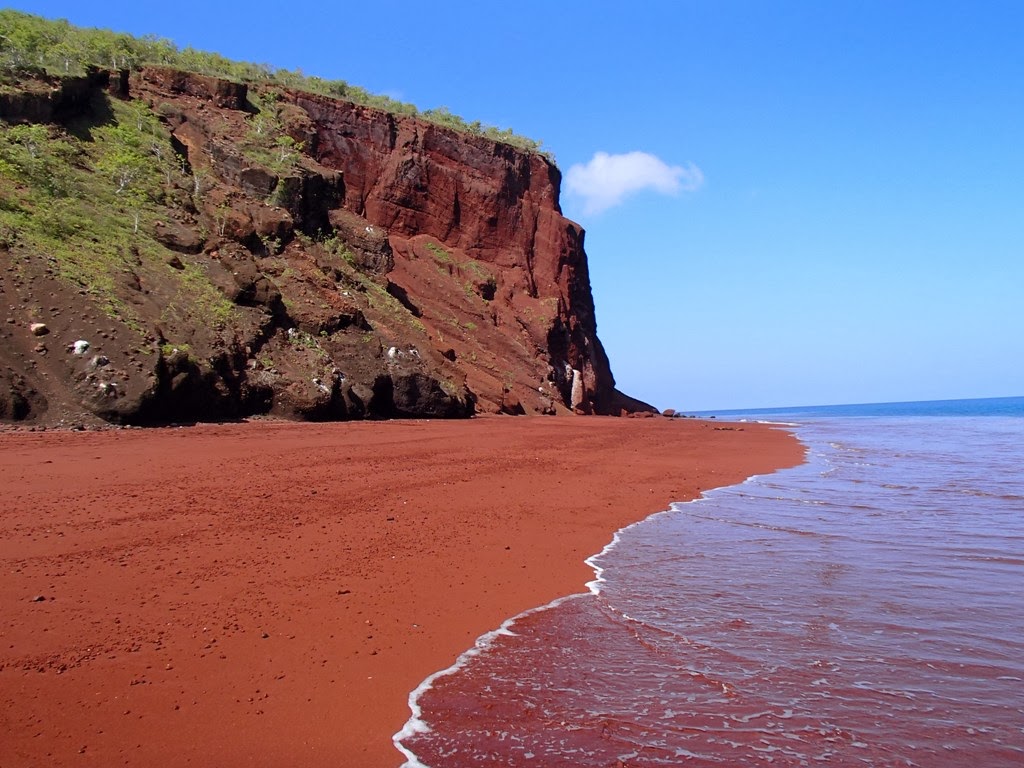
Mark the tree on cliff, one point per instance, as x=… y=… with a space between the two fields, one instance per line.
x=137 y=160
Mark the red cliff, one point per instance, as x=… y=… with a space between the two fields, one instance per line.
x=494 y=209
x=375 y=265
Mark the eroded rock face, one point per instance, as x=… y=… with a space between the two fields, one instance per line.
x=367 y=266
x=47 y=98
x=221 y=93
x=486 y=204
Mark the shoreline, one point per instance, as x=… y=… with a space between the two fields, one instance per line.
x=275 y=591
x=415 y=723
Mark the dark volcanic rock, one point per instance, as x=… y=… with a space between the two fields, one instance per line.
x=414 y=394
x=178 y=237
x=46 y=99
x=18 y=400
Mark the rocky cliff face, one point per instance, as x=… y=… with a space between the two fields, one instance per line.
x=296 y=255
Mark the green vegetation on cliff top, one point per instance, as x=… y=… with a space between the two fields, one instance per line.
x=60 y=48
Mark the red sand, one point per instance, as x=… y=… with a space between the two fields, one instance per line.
x=268 y=594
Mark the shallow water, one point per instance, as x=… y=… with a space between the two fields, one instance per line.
x=866 y=608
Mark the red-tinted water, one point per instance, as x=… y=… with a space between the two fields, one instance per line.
x=864 y=609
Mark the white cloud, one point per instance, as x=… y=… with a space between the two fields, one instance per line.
x=607 y=180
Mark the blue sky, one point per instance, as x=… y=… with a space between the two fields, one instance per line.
x=786 y=203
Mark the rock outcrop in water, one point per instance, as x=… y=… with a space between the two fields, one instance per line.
x=203 y=250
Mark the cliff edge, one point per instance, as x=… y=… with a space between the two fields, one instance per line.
x=176 y=247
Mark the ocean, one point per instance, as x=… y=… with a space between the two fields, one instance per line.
x=863 y=609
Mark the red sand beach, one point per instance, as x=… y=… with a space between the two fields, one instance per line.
x=267 y=594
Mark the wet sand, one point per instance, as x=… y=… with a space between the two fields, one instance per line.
x=267 y=594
